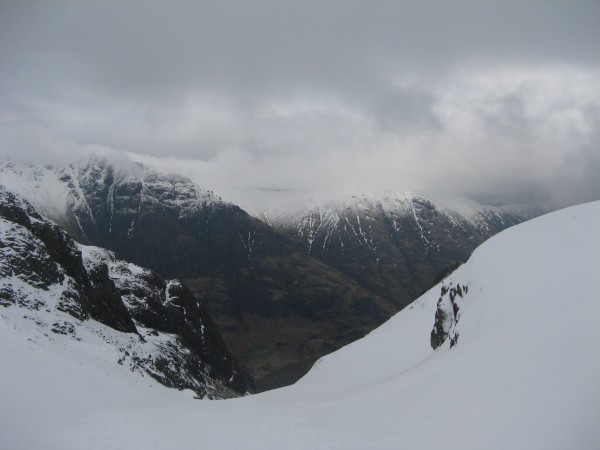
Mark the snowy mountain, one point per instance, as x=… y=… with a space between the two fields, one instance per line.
x=523 y=371
x=53 y=295
x=302 y=278
x=394 y=244
x=277 y=308
x=95 y=198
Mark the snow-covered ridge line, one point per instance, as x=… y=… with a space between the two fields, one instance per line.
x=281 y=208
x=54 y=191
x=57 y=191
x=333 y=224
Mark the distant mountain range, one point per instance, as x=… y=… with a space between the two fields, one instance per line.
x=283 y=286
x=393 y=244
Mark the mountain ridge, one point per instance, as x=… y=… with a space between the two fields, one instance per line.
x=393 y=244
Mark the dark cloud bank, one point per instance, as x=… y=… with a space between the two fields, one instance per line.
x=494 y=100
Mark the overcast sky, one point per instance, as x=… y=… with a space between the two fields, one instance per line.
x=498 y=100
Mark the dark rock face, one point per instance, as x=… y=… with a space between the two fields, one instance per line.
x=42 y=272
x=447 y=314
x=106 y=305
x=52 y=257
x=169 y=307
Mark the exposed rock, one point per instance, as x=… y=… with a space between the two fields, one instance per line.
x=42 y=273
x=168 y=306
x=447 y=315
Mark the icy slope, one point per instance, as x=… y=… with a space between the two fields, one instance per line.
x=523 y=374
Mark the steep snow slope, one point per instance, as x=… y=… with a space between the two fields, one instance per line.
x=523 y=374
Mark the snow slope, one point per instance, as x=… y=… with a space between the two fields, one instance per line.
x=524 y=374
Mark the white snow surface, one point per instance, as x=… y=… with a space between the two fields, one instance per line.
x=525 y=373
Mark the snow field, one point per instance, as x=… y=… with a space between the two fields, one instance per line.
x=524 y=374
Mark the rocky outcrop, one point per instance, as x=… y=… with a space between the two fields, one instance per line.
x=46 y=255
x=447 y=314
x=42 y=272
x=167 y=306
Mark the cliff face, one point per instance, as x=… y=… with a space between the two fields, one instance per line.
x=160 y=328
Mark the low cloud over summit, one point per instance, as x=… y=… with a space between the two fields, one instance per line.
x=494 y=100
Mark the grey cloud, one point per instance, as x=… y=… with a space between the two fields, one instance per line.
x=314 y=94
x=576 y=180
x=509 y=117
x=403 y=110
x=267 y=46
